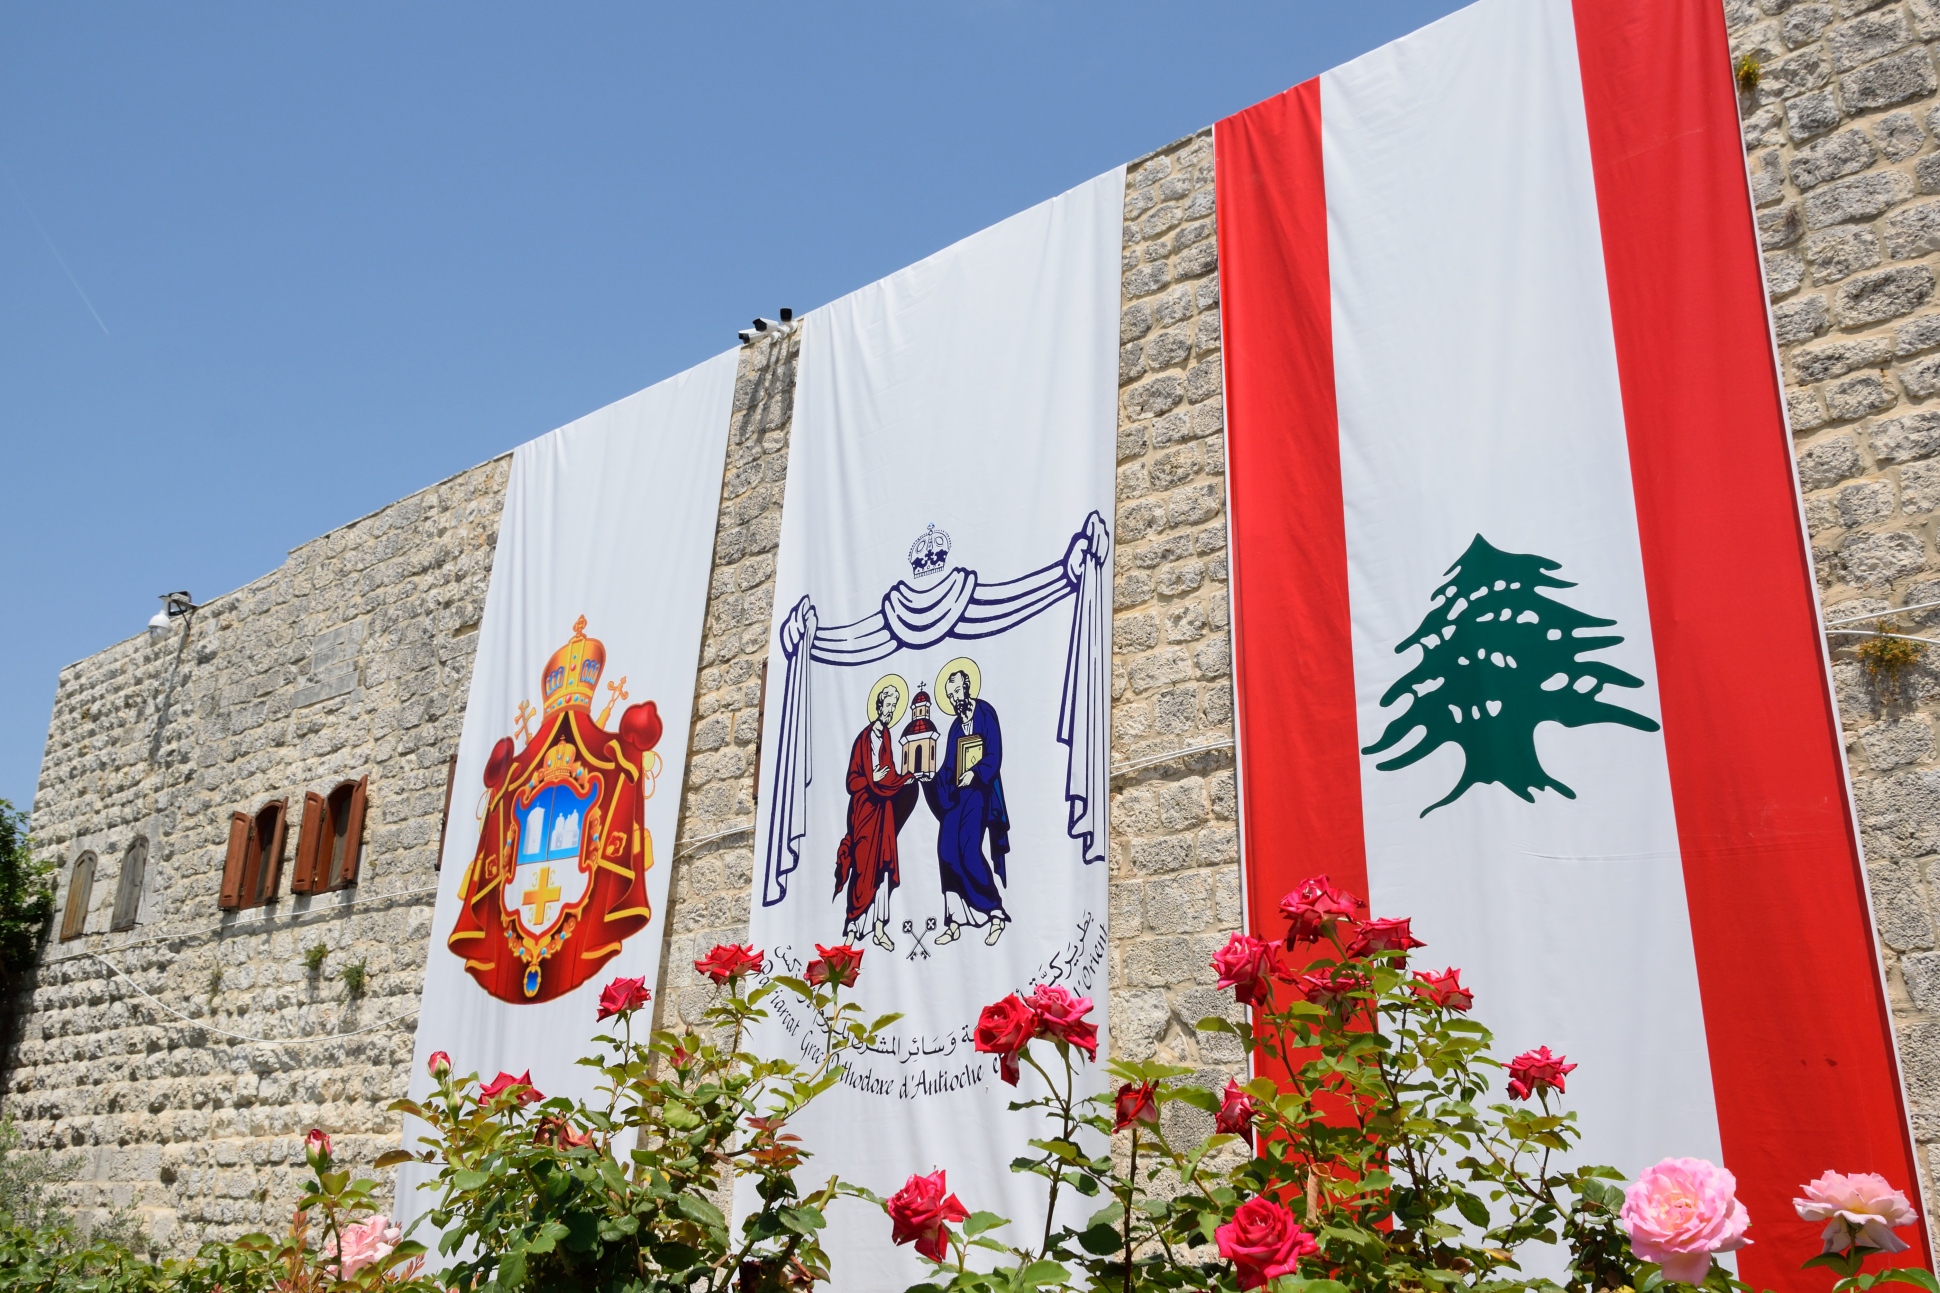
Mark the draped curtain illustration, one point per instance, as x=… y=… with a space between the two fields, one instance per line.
x=956 y=606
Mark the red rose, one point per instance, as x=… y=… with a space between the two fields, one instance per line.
x=556 y=1131
x=316 y=1148
x=1061 y=1017
x=1004 y=1029
x=1330 y=987
x=528 y=1094
x=838 y=965
x=680 y=1057
x=1444 y=989
x=728 y=962
x=1245 y=965
x=920 y=1211
x=438 y=1065
x=1314 y=908
x=1383 y=936
x=1135 y=1105
x=623 y=996
x=1533 y=1072
x=1235 y=1112
x=1263 y=1242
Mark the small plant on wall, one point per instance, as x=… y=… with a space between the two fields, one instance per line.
x=354 y=977
x=1887 y=657
x=313 y=958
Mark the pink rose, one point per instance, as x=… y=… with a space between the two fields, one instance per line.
x=1246 y=965
x=1004 y=1029
x=1682 y=1211
x=1444 y=989
x=1263 y=1242
x=1235 y=1112
x=1061 y=1017
x=624 y=995
x=1383 y=936
x=1314 y=908
x=1534 y=1072
x=1860 y=1209
x=528 y=1094
x=365 y=1243
x=920 y=1211
x=438 y=1065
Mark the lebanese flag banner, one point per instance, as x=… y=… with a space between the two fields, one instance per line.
x=566 y=792
x=936 y=737
x=1526 y=629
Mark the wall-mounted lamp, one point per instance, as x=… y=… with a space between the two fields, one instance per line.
x=175 y=606
x=768 y=328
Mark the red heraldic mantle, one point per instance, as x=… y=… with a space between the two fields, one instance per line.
x=559 y=880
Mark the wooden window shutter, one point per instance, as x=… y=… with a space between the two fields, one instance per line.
x=271 y=873
x=354 y=831
x=80 y=887
x=444 y=823
x=311 y=833
x=232 y=866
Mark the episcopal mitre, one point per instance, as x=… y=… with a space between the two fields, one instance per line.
x=560 y=877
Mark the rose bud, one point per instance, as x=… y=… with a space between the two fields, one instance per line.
x=438 y=1065
x=622 y=996
x=316 y=1148
x=1235 y=1112
x=1135 y=1105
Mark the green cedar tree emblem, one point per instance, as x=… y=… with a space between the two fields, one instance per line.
x=1497 y=658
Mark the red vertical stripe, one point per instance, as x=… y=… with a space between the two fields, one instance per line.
x=1300 y=771
x=1801 y=1048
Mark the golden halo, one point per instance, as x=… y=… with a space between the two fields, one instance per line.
x=902 y=696
x=969 y=666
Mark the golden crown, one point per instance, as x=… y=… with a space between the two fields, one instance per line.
x=572 y=675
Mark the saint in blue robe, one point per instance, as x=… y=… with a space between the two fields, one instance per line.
x=968 y=814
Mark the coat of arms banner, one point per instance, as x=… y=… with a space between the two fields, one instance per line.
x=936 y=744
x=566 y=791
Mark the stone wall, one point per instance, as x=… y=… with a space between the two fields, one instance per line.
x=1839 y=131
x=351 y=660
x=355 y=657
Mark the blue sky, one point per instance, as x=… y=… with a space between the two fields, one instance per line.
x=266 y=268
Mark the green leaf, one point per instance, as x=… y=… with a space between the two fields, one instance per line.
x=695 y=1208
x=1910 y=1275
x=1214 y=1024
x=470 y=1180
x=1473 y=1210
x=978 y=1222
x=1101 y=1240
x=1038 y=1274
x=511 y=1270
x=392 y=1157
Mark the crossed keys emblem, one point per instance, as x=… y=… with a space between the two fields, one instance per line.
x=929 y=927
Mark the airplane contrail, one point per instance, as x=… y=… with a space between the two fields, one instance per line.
x=55 y=250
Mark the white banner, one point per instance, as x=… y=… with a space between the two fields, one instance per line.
x=936 y=746
x=566 y=794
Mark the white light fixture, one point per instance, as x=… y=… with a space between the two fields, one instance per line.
x=175 y=606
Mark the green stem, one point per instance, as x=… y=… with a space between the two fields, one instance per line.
x=1131 y=1191
x=1065 y=1132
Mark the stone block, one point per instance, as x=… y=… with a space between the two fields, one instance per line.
x=1856 y=397
x=1873 y=560
x=1859 y=197
x=1865 y=502
x=1889 y=81
x=1863 y=40
x=1781 y=226
x=1804 y=23
x=1921 y=378
x=1920 y=489
x=1837 y=358
x=1840 y=252
x=1845 y=153
x=1902 y=439
x=1800 y=319
x=1899 y=136
x=1897 y=742
x=1883 y=294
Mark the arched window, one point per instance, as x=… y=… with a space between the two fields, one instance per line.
x=255 y=863
x=80 y=887
x=331 y=843
x=134 y=867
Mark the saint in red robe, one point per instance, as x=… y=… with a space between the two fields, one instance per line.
x=865 y=860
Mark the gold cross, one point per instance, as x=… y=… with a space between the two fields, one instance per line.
x=541 y=895
x=525 y=715
x=616 y=693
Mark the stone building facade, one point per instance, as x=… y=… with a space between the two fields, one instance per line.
x=187 y=1055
